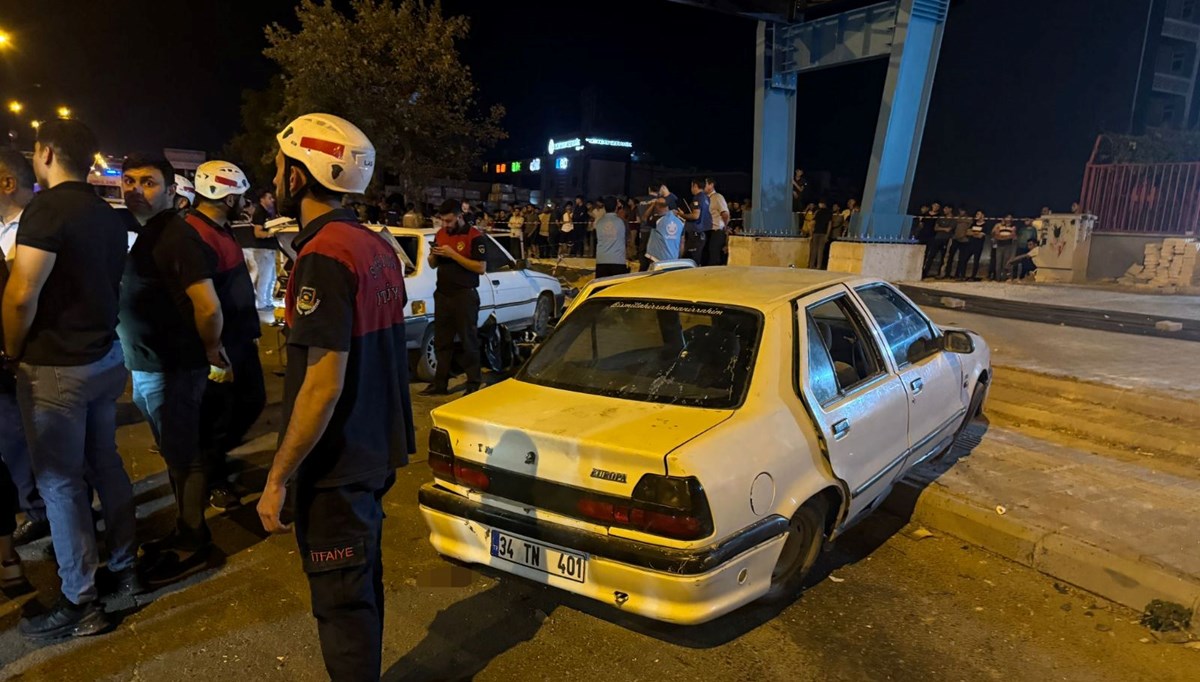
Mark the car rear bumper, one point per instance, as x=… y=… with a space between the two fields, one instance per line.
x=673 y=585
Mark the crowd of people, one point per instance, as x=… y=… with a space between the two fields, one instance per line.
x=956 y=240
x=567 y=227
x=178 y=314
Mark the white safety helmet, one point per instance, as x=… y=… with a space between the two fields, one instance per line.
x=184 y=188
x=336 y=153
x=218 y=179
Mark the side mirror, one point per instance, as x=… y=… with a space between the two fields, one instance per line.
x=922 y=348
x=957 y=342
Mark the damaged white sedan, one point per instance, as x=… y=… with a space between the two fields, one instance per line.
x=686 y=442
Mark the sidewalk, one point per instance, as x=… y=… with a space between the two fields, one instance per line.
x=1097 y=297
x=1082 y=306
x=1116 y=529
x=1090 y=470
x=1135 y=363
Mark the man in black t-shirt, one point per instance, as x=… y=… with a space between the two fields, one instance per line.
x=458 y=254
x=60 y=318
x=161 y=323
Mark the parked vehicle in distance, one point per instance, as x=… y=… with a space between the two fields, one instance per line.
x=686 y=442
x=510 y=295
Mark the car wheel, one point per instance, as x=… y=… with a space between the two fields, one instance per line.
x=542 y=314
x=805 y=538
x=490 y=349
x=427 y=357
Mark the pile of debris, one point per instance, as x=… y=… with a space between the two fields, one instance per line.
x=1169 y=267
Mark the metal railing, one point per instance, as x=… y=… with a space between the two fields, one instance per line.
x=1160 y=198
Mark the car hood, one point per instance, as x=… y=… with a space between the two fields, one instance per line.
x=577 y=439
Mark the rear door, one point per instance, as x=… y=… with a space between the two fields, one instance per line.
x=858 y=405
x=932 y=378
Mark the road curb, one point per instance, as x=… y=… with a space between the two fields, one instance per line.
x=1121 y=577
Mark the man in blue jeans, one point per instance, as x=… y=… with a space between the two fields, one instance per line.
x=169 y=327
x=16 y=191
x=60 y=318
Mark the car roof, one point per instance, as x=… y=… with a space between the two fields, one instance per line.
x=418 y=231
x=757 y=287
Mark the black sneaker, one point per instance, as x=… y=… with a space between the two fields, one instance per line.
x=67 y=620
x=172 y=565
x=223 y=499
x=124 y=583
x=470 y=388
x=431 y=389
x=29 y=531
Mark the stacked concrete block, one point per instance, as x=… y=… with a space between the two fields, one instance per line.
x=1166 y=267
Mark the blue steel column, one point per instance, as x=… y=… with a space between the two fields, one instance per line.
x=774 y=141
x=915 y=47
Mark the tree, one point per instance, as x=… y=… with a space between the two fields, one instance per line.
x=254 y=148
x=395 y=72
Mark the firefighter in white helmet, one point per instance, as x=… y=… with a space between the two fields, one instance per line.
x=347 y=423
x=236 y=394
x=185 y=193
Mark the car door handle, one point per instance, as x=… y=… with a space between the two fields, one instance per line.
x=917 y=384
x=496 y=282
x=840 y=429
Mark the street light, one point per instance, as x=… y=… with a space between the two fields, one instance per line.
x=35 y=124
x=64 y=112
x=5 y=40
x=15 y=107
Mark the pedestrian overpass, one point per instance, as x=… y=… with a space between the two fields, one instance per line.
x=797 y=36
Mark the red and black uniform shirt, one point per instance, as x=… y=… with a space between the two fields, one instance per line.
x=467 y=241
x=213 y=253
x=346 y=293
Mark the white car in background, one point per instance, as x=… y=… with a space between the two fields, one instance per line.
x=686 y=442
x=511 y=296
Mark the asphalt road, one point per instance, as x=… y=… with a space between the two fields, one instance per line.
x=884 y=605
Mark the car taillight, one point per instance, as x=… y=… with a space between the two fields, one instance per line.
x=471 y=476
x=661 y=505
x=447 y=467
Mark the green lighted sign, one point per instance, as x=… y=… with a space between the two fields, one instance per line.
x=515 y=166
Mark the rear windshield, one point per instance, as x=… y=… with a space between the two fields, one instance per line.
x=655 y=351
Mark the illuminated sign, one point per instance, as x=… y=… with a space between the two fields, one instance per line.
x=561 y=163
x=515 y=166
x=535 y=165
x=605 y=142
x=573 y=143
x=578 y=144
x=501 y=167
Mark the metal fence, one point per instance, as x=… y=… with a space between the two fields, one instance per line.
x=1159 y=198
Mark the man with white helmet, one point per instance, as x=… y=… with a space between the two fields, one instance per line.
x=185 y=193
x=347 y=415
x=236 y=394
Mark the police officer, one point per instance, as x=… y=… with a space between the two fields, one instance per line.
x=458 y=254
x=347 y=416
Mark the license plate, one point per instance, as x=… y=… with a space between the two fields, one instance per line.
x=559 y=562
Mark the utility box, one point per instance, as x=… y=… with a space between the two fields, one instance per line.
x=1064 y=242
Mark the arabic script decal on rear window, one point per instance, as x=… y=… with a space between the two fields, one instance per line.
x=672 y=307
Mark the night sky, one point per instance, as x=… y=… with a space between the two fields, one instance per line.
x=1023 y=86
